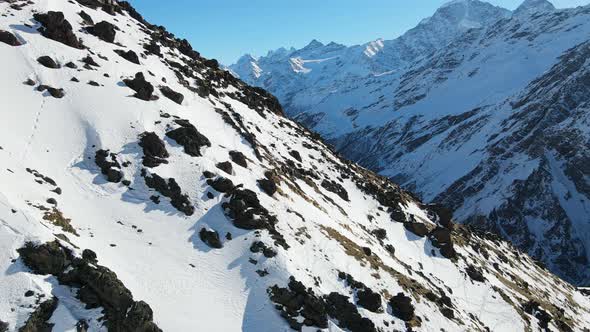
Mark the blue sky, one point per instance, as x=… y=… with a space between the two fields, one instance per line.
x=227 y=29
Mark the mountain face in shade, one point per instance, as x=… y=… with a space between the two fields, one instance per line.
x=464 y=123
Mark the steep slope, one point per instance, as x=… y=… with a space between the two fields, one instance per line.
x=143 y=188
x=435 y=124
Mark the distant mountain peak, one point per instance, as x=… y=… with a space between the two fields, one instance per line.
x=314 y=44
x=531 y=6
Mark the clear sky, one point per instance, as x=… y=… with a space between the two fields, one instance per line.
x=227 y=29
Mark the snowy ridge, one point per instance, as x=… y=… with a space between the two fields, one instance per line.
x=211 y=208
x=415 y=122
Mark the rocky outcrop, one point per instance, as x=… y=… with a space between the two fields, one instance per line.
x=221 y=184
x=48 y=62
x=98 y=287
x=143 y=89
x=154 y=150
x=128 y=55
x=210 y=238
x=39 y=319
x=112 y=168
x=401 y=307
x=104 y=31
x=9 y=38
x=172 y=190
x=55 y=26
x=336 y=188
x=176 y=97
x=189 y=137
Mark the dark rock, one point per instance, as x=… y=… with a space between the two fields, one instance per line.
x=48 y=258
x=30 y=82
x=93 y=83
x=109 y=168
x=54 y=92
x=211 y=238
x=221 y=184
x=369 y=300
x=8 y=38
x=56 y=27
x=82 y=326
x=208 y=175
x=51 y=201
x=238 y=158
x=176 y=97
x=128 y=55
x=210 y=195
x=335 y=188
x=104 y=31
x=440 y=236
x=48 y=62
x=295 y=154
x=153 y=48
x=87 y=19
x=380 y=234
x=114 y=175
x=296 y=301
x=89 y=256
x=29 y=293
x=225 y=166
x=475 y=274
x=88 y=60
x=417 y=228
x=448 y=312
x=534 y=308
x=189 y=137
x=401 y=307
x=71 y=65
x=154 y=150
x=38 y=321
x=4 y=326
x=268 y=186
x=339 y=307
x=367 y=251
x=143 y=89
x=172 y=190
x=445 y=215
x=259 y=246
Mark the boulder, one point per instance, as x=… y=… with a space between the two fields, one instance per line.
x=176 y=97
x=154 y=150
x=128 y=55
x=89 y=256
x=335 y=188
x=339 y=307
x=221 y=184
x=369 y=300
x=189 y=137
x=268 y=186
x=259 y=246
x=172 y=190
x=440 y=237
x=295 y=154
x=8 y=38
x=417 y=228
x=109 y=168
x=475 y=273
x=48 y=258
x=54 y=92
x=48 y=62
x=104 y=31
x=401 y=307
x=238 y=158
x=210 y=238
x=4 y=326
x=143 y=89
x=225 y=166
x=86 y=18
x=54 y=26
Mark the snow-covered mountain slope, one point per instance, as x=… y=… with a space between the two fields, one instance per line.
x=145 y=189
x=436 y=125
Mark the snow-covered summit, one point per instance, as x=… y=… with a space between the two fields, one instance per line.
x=529 y=7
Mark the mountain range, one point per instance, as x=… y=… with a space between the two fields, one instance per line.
x=477 y=108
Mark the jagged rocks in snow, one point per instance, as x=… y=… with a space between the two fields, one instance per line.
x=221 y=184
x=154 y=150
x=86 y=18
x=339 y=307
x=299 y=306
x=98 y=286
x=295 y=154
x=336 y=188
x=238 y=158
x=4 y=326
x=143 y=89
x=128 y=55
x=9 y=38
x=48 y=62
x=369 y=300
x=475 y=273
x=268 y=186
x=71 y=65
x=189 y=137
x=172 y=190
x=176 y=97
x=38 y=321
x=89 y=256
x=417 y=228
x=56 y=27
x=112 y=168
x=89 y=62
x=153 y=48
x=259 y=246
x=211 y=238
x=401 y=307
x=104 y=31
x=54 y=92
x=225 y=166
x=247 y=212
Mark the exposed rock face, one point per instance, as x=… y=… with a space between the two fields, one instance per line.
x=336 y=188
x=401 y=307
x=99 y=287
x=48 y=62
x=172 y=190
x=154 y=150
x=143 y=89
x=238 y=158
x=221 y=184
x=104 y=31
x=189 y=137
x=8 y=38
x=176 y=97
x=268 y=186
x=56 y=27
x=128 y=55
x=211 y=238
x=112 y=168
